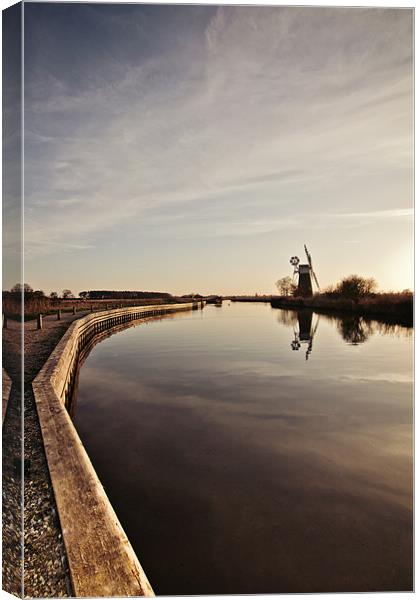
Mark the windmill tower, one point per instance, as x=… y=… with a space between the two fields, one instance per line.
x=305 y=274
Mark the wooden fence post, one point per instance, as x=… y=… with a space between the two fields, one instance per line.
x=39 y=321
x=4 y=321
x=74 y=310
x=58 y=314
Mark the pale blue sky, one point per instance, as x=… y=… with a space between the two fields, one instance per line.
x=188 y=148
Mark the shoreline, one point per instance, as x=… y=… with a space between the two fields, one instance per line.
x=375 y=308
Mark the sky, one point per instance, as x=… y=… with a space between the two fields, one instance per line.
x=197 y=148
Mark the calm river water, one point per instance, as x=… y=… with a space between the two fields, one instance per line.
x=247 y=449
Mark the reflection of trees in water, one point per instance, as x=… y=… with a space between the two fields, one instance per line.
x=394 y=330
x=289 y=318
x=355 y=330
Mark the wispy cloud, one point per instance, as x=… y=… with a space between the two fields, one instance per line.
x=220 y=221
x=378 y=214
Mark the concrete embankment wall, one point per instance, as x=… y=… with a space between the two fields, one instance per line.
x=101 y=559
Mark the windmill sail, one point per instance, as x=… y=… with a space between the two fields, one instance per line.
x=311 y=267
x=316 y=280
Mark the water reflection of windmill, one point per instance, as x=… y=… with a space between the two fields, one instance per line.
x=306 y=332
x=305 y=275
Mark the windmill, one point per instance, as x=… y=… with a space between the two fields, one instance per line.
x=305 y=274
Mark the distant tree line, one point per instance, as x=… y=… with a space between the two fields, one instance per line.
x=29 y=293
x=125 y=295
x=16 y=292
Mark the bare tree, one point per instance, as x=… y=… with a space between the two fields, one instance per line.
x=286 y=286
x=18 y=288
